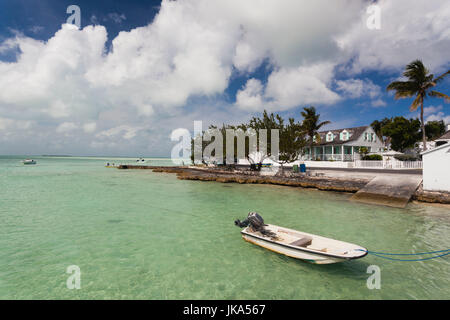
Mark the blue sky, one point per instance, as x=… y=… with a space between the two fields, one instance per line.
x=136 y=70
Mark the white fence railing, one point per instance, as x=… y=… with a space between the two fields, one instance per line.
x=368 y=164
x=329 y=157
x=388 y=164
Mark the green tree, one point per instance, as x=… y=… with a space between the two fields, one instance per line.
x=291 y=138
x=363 y=151
x=292 y=141
x=403 y=133
x=267 y=122
x=311 y=125
x=378 y=125
x=434 y=129
x=419 y=84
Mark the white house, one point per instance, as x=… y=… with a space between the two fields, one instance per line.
x=344 y=144
x=436 y=168
x=445 y=138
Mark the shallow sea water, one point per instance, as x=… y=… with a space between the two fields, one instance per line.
x=143 y=235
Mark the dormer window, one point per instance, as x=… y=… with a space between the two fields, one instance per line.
x=330 y=136
x=344 y=135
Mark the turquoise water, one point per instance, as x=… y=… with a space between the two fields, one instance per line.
x=143 y=235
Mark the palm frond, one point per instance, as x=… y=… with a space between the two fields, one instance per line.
x=416 y=103
x=403 y=89
x=416 y=71
x=320 y=125
x=441 y=77
x=437 y=94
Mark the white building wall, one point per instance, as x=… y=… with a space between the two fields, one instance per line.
x=436 y=169
x=376 y=146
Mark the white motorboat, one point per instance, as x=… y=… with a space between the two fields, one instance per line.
x=29 y=161
x=297 y=244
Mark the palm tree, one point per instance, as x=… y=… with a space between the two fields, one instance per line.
x=311 y=125
x=419 y=83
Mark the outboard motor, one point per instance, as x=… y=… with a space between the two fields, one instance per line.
x=253 y=219
x=256 y=222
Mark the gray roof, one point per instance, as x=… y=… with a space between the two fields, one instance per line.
x=445 y=136
x=355 y=133
x=445 y=145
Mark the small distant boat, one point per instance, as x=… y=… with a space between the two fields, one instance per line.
x=297 y=244
x=29 y=161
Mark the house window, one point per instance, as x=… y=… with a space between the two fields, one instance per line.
x=330 y=136
x=344 y=135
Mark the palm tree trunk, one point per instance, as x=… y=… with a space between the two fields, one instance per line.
x=424 y=137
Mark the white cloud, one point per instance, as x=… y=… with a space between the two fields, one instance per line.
x=36 y=29
x=7 y=124
x=123 y=131
x=438 y=116
x=66 y=127
x=90 y=127
x=431 y=109
x=191 y=49
x=378 y=103
x=289 y=87
x=409 y=29
x=250 y=97
x=356 y=88
x=117 y=18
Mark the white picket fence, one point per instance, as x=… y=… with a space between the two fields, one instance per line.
x=393 y=164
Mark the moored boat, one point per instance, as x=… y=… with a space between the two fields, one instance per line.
x=29 y=161
x=296 y=244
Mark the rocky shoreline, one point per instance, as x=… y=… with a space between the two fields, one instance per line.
x=310 y=180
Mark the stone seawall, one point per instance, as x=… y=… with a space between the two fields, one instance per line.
x=348 y=184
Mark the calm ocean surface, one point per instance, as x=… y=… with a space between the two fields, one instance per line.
x=143 y=235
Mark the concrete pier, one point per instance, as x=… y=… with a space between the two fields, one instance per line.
x=389 y=189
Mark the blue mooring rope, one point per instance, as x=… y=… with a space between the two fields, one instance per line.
x=383 y=254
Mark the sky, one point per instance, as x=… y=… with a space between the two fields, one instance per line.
x=137 y=70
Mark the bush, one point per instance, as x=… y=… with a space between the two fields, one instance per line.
x=406 y=157
x=373 y=157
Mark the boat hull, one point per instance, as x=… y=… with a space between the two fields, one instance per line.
x=293 y=253
x=318 y=250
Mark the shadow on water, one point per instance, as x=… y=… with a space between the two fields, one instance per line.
x=353 y=267
x=357 y=267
